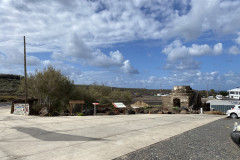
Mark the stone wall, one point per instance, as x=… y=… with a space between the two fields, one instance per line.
x=182 y=97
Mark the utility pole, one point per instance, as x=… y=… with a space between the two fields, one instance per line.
x=207 y=90
x=111 y=86
x=25 y=69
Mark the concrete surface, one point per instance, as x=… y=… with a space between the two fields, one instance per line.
x=99 y=137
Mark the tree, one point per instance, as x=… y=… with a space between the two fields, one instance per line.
x=223 y=93
x=51 y=88
x=117 y=96
x=212 y=92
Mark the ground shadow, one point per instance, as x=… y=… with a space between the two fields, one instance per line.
x=45 y=135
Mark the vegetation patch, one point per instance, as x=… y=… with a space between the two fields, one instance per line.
x=214 y=112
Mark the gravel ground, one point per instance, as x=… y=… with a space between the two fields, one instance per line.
x=208 y=142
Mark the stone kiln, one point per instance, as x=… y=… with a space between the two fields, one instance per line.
x=182 y=97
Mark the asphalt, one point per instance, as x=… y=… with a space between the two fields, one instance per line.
x=209 y=142
x=90 y=137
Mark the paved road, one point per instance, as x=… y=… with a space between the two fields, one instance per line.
x=99 y=137
x=208 y=142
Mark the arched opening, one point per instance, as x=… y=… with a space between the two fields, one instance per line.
x=176 y=102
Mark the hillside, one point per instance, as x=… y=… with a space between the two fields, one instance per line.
x=9 y=87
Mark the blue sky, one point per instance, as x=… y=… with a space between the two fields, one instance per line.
x=153 y=44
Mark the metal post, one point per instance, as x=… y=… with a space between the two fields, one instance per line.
x=25 y=69
x=94 y=109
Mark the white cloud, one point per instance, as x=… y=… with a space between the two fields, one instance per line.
x=229 y=74
x=238 y=39
x=199 y=50
x=100 y=59
x=182 y=64
x=12 y=57
x=75 y=47
x=103 y=23
x=177 y=50
x=66 y=69
x=75 y=50
x=80 y=31
x=196 y=79
x=234 y=50
x=216 y=16
x=179 y=57
x=218 y=48
x=127 y=68
x=32 y=61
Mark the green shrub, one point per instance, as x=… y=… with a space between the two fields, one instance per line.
x=80 y=114
x=176 y=109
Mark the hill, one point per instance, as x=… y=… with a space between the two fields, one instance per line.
x=9 y=87
x=10 y=84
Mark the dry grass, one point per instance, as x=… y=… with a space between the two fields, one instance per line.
x=214 y=112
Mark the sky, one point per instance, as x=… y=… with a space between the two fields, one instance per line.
x=153 y=44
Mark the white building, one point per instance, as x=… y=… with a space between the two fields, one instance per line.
x=222 y=105
x=234 y=93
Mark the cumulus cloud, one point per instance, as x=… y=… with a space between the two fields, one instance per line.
x=183 y=64
x=79 y=31
x=218 y=48
x=100 y=59
x=66 y=69
x=238 y=39
x=196 y=79
x=74 y=49
x=180 y=57
x=204 y=16
x=199 y=50
x=234 y=50
x=103 y=23
x=127 y=68
x=32 y=61
x=176 y=50
x=13 y=54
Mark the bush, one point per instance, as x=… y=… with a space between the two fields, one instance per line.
x=80 y=114
x=176 y=109
x=110 y=113
x=51 y=88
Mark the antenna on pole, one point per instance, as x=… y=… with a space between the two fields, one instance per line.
x=25 y=69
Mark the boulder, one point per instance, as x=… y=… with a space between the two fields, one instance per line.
x=184 y=108
x=44 y=111
x=183 y=112
x=55 y=113
x=153 y=110
x=88 y=111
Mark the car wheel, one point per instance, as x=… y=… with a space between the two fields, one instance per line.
x=234 y=116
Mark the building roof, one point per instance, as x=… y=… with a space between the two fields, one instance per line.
x=234 y=90
x=119 y=105
x=223 y=102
